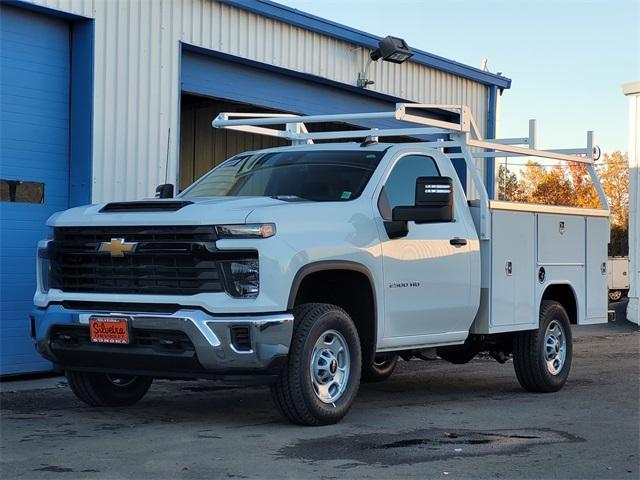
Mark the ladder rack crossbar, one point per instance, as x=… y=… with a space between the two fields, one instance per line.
x=463 y=134
x=260 y=123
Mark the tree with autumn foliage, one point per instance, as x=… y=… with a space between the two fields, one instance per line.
x=615 y=181
x=570 y=185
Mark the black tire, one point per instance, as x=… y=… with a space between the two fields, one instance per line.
x=294 y=392
x=458 y=354
x=530 y=348
x=380 y=368
x=103 y=390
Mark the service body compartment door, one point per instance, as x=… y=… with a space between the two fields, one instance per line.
x=561 y=239
x=512 y=268
x=596 y=274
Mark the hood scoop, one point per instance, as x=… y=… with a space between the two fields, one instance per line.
x=145 y=206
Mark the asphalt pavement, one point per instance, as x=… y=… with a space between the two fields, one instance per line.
x=429 y=420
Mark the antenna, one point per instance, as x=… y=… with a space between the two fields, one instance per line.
x=166 y=167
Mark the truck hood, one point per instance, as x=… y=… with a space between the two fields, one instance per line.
x=195 y=211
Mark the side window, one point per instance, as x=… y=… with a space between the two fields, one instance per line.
x=400 y=188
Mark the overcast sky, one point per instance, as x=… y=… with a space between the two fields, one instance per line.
x=567 y=59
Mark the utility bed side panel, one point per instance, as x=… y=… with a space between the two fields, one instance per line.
x=596 y=270
x=546 y=247
x=513 y=268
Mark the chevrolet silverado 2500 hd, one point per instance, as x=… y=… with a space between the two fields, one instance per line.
x=313 y=266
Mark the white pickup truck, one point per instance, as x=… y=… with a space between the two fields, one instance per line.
x=315 y=266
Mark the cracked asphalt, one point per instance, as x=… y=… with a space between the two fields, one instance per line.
x=430 y=420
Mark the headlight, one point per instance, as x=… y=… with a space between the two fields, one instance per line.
x=242 y=277
x=43 y=266
x=249 y=230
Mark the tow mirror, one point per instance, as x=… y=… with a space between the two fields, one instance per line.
x=433 y=204
x=164 y=191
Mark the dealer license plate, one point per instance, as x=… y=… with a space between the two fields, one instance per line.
x=109 y=329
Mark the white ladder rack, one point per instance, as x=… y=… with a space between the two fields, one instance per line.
x=463 y=134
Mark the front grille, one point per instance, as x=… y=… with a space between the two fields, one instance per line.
x=167 y=260
x=110 y=307
x=156 y=353
x=70 y=336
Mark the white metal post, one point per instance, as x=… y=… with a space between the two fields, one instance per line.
x=533 y=134
x=632 y=90
x=485 y=225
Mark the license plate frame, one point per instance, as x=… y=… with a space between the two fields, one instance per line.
x=110 y=329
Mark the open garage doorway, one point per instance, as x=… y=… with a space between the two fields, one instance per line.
x=202 y=147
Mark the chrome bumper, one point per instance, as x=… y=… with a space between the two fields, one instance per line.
x=270 y=334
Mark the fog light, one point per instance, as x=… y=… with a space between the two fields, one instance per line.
x=242 y=277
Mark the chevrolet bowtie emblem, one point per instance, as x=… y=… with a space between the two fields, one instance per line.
x=117 y=247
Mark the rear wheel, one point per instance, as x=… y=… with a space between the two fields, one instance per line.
x=107 y=390
x=542 y=357
x=320 y=380
x=380 y=368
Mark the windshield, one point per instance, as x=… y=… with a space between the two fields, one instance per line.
x=322 y=176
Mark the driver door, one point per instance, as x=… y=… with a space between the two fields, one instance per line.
x=427 y=272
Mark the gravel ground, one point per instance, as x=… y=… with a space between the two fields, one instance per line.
x=431 y=419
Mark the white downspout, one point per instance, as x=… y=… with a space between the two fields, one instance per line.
x=632 y=90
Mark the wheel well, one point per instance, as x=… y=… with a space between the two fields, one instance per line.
x=349 y=289
x=563 y=294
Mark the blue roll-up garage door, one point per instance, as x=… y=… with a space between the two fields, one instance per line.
x=224 y=77
x=34 y=165
x=216 y=76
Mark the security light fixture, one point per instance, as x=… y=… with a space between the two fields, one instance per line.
x=390 y=49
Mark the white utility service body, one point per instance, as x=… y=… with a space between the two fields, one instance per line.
x=468 y=282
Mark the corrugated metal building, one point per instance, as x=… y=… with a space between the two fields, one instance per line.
x=105 y=100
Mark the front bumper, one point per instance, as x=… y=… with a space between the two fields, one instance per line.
x=209 y=347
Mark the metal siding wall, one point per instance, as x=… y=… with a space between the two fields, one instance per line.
x=137 y=78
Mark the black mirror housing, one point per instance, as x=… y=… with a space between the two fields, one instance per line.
x=164 y=191
x=433 y=202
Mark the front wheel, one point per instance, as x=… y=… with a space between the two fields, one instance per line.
x=542 y=357
x=106 y=390
x=320 y=380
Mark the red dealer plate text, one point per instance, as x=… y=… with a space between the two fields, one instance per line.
x=109 y=329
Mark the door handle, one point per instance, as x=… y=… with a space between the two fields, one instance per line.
x=458 y=242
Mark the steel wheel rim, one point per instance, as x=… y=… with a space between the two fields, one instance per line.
x=330 y=366
x=121 y=381
x=617 y=295
x=555 y=347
